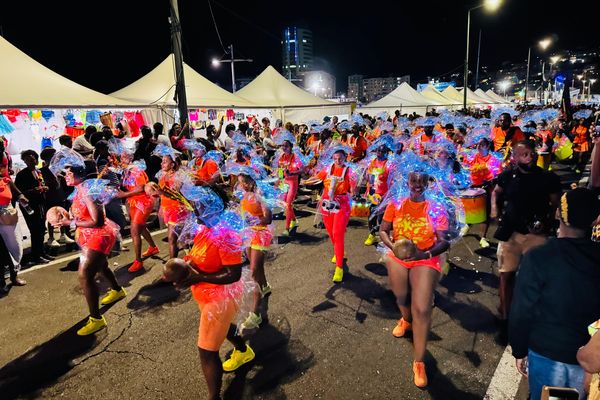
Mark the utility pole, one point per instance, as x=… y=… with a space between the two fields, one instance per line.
x=180 y=96
x=476 y=85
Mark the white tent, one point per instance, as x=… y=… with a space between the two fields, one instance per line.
x=454 y=95
x=403 y=98
x=491 y=94
x=479 y=92
x=25 y=83
x=435 y=95
x=473 y=98
x=157 y=87
x=287 y=101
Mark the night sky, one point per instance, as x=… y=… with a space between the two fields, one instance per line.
x=111 y=44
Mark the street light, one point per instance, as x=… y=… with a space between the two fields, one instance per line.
x=504 y=85
x=490 y=6
x=231 y=60
x=592 y=81
x=544 y=44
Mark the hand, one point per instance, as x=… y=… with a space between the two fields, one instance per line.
x=62 y=222
x=419 y=255
x=23 y=200
x=493 y=214
x=521 y=364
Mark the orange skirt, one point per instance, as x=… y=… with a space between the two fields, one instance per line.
x=98 y=239
x=261 y=238
x=433 y=262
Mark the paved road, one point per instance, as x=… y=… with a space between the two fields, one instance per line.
x=323 y=340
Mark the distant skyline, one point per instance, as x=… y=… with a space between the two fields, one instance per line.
x=109 y=46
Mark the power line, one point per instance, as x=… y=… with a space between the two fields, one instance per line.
x=266 y=32
x=216 y=27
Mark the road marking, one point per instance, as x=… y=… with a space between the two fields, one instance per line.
x=506 y=379
x=74 y=256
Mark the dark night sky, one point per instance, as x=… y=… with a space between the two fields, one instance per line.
x=113 y=43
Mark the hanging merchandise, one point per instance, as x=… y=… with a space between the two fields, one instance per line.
x=83 y=117
x=35 y=115
x=5 y=125
x=212 y=114
x=93 y=117
x=11 y=115
x=193 y=115
x=139 y=119
x=230 y=114
x=106 y=119
x=239 y=116
x=220 y=115
x=134 y=128
x=47 y=115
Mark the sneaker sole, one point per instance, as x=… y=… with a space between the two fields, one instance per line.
x=92 y=332
x=113 y=301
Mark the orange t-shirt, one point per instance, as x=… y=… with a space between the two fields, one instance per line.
x=211 y=252
x=499 y=137
x=288 y=162
x=167 y=181
x=251 y=205
x=359 y=146
x=342 y=187
x=311 y=140
x=413 y=221
x=483 y=169
x=206 y=169
x=581 y=135
x=378 y=172
x=136 y=179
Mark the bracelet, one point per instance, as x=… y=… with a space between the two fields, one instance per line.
x=429 y=253
x=73 y=224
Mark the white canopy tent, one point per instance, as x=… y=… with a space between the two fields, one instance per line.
x=479 y=92
x=287 y=101
x=157 y=87
x=25 y=83
x=435 y=95
x=454 y=95
x=491 y=94
x=403 y=98
x=474 y=99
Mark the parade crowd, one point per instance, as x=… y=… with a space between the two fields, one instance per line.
x=422 y=182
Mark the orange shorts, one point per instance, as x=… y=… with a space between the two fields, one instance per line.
x=215 y=319
x=101 y=239
x=433 y=262
x=139 y=212
x=173 y=216
x=261 y=239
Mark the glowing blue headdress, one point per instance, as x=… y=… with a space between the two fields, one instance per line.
x=283 y=136
x=163 y=150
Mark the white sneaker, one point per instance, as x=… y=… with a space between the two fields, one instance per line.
x=53 y=243
x=251 y=323
x=66 y=239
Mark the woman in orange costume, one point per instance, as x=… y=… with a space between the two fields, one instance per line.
x=414 y=278
x=581 y=144
x=174 y=208
x=335 y=206
x=94 y=233
x=261 y=238
x=140 y=206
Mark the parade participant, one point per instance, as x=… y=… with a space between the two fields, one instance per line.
x=213 y=270
x=94 y=233
x=544 y=136
x=525 y=197
x=206 y=170
x=581 y=144
x=484 y=167
x=556 y=298
x=289 y=166
x=413 y=277
x=358 y=144
x=377 y=173
x=505 y=134
x=335 y=202
x=140 y=206
x=174 y=208
x=422 y=141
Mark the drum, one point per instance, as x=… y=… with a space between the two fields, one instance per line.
x=360 y=209
x=543 y=160
x=473 y=201
x=314 y=185
x=564 y=151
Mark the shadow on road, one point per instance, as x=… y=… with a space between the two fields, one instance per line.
x=156 y=294
x=279 y=360
x=442 y=387
x=46 y=363
x=471 y=315
x=461 y=280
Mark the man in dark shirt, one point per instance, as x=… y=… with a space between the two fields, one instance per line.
x=556 y=298
x=525 y=199
x=31 y=183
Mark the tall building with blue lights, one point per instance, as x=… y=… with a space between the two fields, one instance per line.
x=297 y=53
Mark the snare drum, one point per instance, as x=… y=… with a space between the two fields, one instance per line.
x=543 y=160
x=360 y=209
x=473 y=201
x=564 y=151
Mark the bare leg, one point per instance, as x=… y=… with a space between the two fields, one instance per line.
x=173 y=250
x=235 y=340
x=213 y=372
x=88 y=267
x=398 y=278
x=422 y=283
x=137 y=241
x=110 y=276
x=146 y=234
x=257 y=266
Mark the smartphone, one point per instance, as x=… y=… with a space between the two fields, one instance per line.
x=558 y=393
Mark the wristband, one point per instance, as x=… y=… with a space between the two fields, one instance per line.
x=429 y=254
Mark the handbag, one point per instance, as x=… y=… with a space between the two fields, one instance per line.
x=8 y=215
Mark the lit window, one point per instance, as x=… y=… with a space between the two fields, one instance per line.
x=292 y=40
x=303 y=40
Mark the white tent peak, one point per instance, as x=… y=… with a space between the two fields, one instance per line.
x=157 y=87
x=26 y=83
x=471 y=95
x=271 y=89
x=435 y=95
x=491 y=94
x=403 y=96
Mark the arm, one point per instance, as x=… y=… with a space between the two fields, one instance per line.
x=589 y=355
x=497 y=202
x=218 y=131
x=17 y=193
x=134 y=192
x=226 y=275
x=384 y=233
x=267 y=215
x=96 y=213
x=440 y=246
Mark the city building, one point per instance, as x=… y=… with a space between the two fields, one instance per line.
x=320 y=83
x=355 y=87
x=297 y=53
x=376 y=88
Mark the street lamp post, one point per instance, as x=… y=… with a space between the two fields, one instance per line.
x=490 y=5
x=232 y=61
x=543 y=45
x=592 y=81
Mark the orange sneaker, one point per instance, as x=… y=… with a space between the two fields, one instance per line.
x=420 y=376
x=401 y=327
x=136 y=266
x=151 y=251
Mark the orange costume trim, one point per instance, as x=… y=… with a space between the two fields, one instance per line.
x=261 y=234
x=100 y=239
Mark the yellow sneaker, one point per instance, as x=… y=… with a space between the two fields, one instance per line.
x=112 y=296
x=334 y=260
x=484 y=243
x=237 y=359
x=285 y=233
x=371 y=239
x=92 y=326
x=293 y=224
x=338 y=275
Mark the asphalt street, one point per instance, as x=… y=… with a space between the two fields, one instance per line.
x=322 y=340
